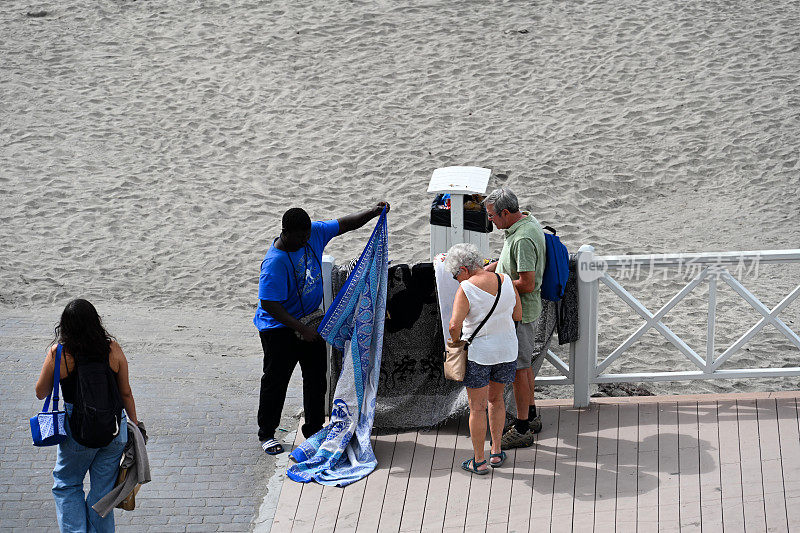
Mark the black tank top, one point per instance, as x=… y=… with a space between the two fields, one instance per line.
x=69 y=384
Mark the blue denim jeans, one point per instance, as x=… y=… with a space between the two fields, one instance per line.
x=74 y=510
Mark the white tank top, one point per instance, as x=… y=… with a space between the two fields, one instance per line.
x=496 y=342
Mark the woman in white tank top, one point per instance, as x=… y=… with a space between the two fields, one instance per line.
x=492 y=354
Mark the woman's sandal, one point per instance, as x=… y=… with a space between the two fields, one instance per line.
x=501 y=455
x=474 y=468
x=272 y=447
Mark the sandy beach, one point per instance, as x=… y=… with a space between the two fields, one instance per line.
x=149 y=149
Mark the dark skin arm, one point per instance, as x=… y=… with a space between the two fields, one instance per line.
x=356 y=220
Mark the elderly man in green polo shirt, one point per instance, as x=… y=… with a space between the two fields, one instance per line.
x=522 y=258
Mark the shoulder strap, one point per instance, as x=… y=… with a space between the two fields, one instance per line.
x=496 y=299
x=56 y=380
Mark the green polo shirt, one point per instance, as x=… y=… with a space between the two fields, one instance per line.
x=524 y=251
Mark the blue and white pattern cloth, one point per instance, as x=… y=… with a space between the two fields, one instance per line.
x=341 y=452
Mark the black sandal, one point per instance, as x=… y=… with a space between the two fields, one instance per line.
x=272 y=447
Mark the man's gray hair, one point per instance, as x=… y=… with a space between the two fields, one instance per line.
x=463 y=255
x=502 y=199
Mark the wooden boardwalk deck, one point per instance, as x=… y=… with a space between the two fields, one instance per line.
x=690 y=463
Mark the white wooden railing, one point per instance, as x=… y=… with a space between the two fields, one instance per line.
x=584 y=368
x=708 y=268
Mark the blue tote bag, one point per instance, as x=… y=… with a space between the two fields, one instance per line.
x=48 y=427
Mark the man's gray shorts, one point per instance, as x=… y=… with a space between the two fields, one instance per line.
x=534 y=338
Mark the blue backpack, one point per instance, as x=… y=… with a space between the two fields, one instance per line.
x=556 y=269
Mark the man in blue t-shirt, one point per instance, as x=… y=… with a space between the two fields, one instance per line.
x=289 y=289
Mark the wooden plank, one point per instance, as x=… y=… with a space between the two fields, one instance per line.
x=564 y=486
x=541 y=505
x=790 y=459
x=607 y=468
x=647 y=472
x=752 y=485
x=771 y=467
x=501 y=492
x=458 y=493
x=710 y=484
x=627 y=469
x=419 y=478
x=436 y=503
x=353 y=495
x=518 y=509
x=328 y=510
x=307 y=507
x=585 y=469
x=478 y=507
x=350 y=507
x=446 y=444
x=668 y=468
x=375 y=491
x=497 y=528
x=441 y=470
x=522 y=499
x=678 y=398
x=730 y=469
x=290 y=494
x=689 y=467
x=397 y=482
x=308 y=502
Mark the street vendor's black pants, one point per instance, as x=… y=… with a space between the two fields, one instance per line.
x=282 y=351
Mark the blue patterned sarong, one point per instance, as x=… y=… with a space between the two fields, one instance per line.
x=341 y=452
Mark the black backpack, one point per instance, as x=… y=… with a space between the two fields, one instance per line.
x=97 y=410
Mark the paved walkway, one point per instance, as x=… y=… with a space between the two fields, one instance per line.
x=195 y=380
x=707 y=463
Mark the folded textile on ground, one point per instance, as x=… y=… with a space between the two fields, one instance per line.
x=341 y=453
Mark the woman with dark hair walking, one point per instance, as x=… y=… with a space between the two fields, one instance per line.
x=84 y=342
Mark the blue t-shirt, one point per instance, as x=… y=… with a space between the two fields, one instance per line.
x=294 y=279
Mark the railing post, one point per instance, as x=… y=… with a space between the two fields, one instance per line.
x=327 y=299
x=327 y=282
x=584 y=351
x=712 y=319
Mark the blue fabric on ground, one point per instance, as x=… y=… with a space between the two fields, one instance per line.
x=341 y=453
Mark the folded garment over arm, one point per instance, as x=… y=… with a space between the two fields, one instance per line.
x=134 y=458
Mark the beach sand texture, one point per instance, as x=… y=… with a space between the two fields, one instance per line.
x=149 y=148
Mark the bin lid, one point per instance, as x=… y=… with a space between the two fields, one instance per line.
x=460 y=180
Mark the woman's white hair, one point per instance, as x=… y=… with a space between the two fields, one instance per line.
x=463 y=255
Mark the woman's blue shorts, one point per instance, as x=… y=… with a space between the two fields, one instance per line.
x=478 y=376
